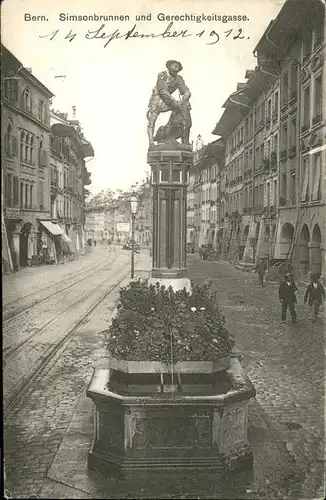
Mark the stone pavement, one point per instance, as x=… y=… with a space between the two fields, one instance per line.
x=284 y=362
x=30 y=278
x=49 y=433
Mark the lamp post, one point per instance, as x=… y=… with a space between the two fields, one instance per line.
x=134 y=203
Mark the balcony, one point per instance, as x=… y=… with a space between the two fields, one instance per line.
x=259 y=125
x=283 y=155
x=284 y=105
x=292 y=151
x=28 y=161
x=273 y=160
x=305 y=128
x=316 y=119
x=266 y=164
x=293 y=97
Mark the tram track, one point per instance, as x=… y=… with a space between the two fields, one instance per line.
x=60 y=344
x=9 y=315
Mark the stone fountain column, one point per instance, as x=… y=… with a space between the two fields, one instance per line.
x=170 y=163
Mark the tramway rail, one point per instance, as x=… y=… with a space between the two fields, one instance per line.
x=59 y=345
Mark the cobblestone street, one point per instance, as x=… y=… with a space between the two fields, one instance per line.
x=285 y=362
x=49 y=431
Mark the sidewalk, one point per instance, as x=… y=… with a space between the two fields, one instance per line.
x=29 y=279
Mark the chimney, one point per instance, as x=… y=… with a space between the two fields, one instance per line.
x=29 y=70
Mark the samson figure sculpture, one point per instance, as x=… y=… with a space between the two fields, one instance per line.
x=162 y=101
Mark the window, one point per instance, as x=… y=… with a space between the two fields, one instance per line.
x=276 y=103
x=31 y=192
x=306 y=107
x=307 y=45
x=316 y=177
x=305 y=180
x=27 y=100
x=319 y=35
x=292 y=188
x=276 y=143
x=275 y=194
x=164 y=175
x=11 y=90
x=10 y=143
x=21 y=195
x=284 y=137
x=41 y=110
x=15 y=191
x=8 y=190
x=285 y=88
x=294 y=80
x=269 y=110
x=283 y=188
x=26 y=196
x=293 y=134
x=41 y=195
x=318 y=100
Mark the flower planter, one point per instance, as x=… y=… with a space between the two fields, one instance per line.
x=150 y=418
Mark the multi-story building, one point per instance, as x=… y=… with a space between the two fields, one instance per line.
x=25 y=160
x=273 y=193
x=69 y=176
x=293 y=48
x=203 y=196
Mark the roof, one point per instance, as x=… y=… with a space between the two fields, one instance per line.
x=295 y=16
x=5 y=53
x=239 y=102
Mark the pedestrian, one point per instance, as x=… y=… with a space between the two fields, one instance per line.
x=201 y=252
x=261 y=269
x=287 y=295
x=315 y=294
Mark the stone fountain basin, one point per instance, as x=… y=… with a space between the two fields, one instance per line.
x=147 y=419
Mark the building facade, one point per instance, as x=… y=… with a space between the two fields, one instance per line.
x=43 y=173
x=69 y=176
x=25 y=160
x=270 y=198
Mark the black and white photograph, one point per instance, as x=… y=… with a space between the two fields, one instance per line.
x=163 y=223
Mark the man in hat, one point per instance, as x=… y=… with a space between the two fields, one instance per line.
x=260 y=269
x=315 y=294
x=287 y=295
x=161 y=99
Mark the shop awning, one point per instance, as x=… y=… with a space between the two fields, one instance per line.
x=53 y=229
x=68 y=242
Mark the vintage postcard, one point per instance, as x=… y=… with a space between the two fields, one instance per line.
x=163 y=248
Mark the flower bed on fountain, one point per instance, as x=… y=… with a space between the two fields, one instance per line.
x=172 y=395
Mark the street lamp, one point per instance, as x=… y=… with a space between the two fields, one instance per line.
x=134 y=203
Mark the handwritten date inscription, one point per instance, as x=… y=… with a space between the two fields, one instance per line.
x=210 y=36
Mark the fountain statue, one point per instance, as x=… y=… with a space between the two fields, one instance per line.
x=162 y=101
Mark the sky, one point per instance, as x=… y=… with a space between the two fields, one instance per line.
x=111 y=86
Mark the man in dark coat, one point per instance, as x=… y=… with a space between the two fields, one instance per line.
x=287 y=294
x=315 y=294
x=260 y=269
